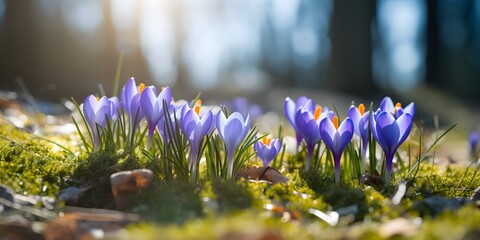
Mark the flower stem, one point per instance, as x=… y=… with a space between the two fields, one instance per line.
x=336 y=161
x=388 y=167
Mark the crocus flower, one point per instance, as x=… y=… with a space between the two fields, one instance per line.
x=290 y=107
x=336 y=138
x=97 y=112
x=232 y=131
x=152 y=107
x=130 y=97
x=195 y=127
x=390 y=133
x=307 y=124
x=473 y=141
x=387 y=105
x=267 y=149
x=360 y=120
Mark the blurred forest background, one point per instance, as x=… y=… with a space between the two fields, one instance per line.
x=423 y=51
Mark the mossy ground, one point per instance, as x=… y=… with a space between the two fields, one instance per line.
x=210 y=210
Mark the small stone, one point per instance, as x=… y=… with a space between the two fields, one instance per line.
x=128 y=184
x=268 y=174
x=398 y=227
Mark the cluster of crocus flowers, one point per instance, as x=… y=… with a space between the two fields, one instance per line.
x=145 y=110
x=390 y=126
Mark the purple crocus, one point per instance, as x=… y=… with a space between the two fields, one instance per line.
x=267 y=149
x=387 y=105
x=307 y=124
x=290 y=107
x=336 y=138
x=152 y=107
x=195 y=128
x=390 y=133
x=232 y=131
x=97 y=112
x=360 y=120
x=130 y=97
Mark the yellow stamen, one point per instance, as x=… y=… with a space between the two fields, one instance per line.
x=197 y=106
x=398 y=105
x=318 y=111
x=98 y=99
x=141 y=87
x=335 y=122
x=266 y=141
x=361 y=109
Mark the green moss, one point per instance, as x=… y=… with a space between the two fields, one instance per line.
x=30 y=166
x=169 y=202
x=461 y=224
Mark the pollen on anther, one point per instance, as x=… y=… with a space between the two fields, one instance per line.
x=198 y=105
x=318 y=111
x=335 y=122
x=141 y=87
x=361 y=109
x=266 y=141
x=398 y=105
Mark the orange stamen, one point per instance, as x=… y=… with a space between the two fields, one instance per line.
x=197 y=106
x=141 y=87
x=361 y=109
x=398 y=105
x=266 y=141
x=318 y=111
x=335 y=122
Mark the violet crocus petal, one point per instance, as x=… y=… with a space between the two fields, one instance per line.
x=246 y=126
x=233 y=131
x=388 y=132
x=355 y=115
x=128 y=92
x=89 y=104
x=404 y=123
x=307 y=126
x=147 y=104
x=363 y=127
x=276 y=144
x=115 y=107
x=207 y=123
x=327 y=133
x=345 y=131
x=387 y=104
x=136 y=111
x=165 y=94
x=410 y=109
x=221 y=121
x=103 y=112
x=189 y=123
